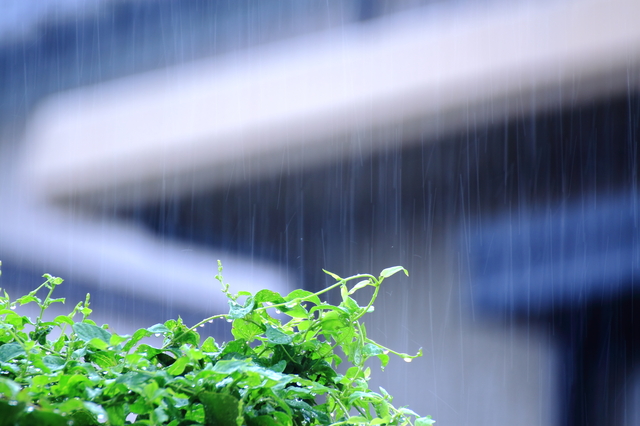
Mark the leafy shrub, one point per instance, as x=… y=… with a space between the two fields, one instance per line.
x=274 y=372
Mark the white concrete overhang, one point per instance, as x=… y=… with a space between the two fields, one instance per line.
x=306 y=100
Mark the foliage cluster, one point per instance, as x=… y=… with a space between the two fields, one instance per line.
x=280 y=369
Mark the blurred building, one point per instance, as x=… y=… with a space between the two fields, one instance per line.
x=142 y=141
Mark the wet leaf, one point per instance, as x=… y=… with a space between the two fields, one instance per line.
x=9 y=351
x=386 y=273
x=86 y=332
x=275 y=372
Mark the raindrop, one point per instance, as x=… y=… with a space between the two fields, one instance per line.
x=407 y=359
x=30 y=409
x=229 y=320
x=210 y=321
x=386 y=352
x=13 y=402
x=13 y=306
x=157 y=334
x=278 y=311
x=201 y=325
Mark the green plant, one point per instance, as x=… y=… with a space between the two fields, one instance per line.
x=274 y=372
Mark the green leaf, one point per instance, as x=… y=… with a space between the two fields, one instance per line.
x=220 y=409
x=60 y=319
x=230 y=366
x=10 y=412
x=305 y=295
x=296 y=311
x=371 y=350
x=104 y=359
x=268 y=296
x=350 y=305
x=53 y=362
x=209 y=345
x=360 y=285
x=282 y=419
x=384 y=359
x=16 y=320
x=277 y=337
x=8 y=388
x=265 y=420
x=97 y=343
x=407 y=412
x=424 y=421
x=331 y=274
x=96 y=410
x=40 y=334
x=133 y=379
x=9 y=351
x=332 y=321
x=247 y=328
x=309 y=412
x=116 y=414
x=28 y=299
x=158 y=328
x=240 y=311
x=44 y=418
x=50 y=301
x=137 y=336
x=386 y=273
x=116 y=339
x=53 y=280
x=86 y=332
x=178 y=367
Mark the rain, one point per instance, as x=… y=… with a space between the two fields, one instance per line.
x=491 y=148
